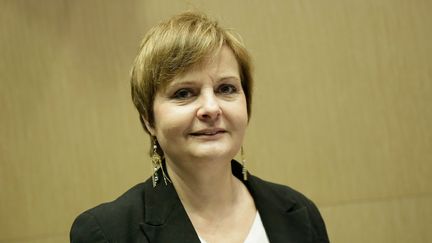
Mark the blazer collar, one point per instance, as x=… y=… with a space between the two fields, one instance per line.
x=283 y=218
x=166 y=220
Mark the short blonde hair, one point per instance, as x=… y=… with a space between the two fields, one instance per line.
x=174 y=47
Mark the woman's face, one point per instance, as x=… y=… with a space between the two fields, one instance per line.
x=202 y=113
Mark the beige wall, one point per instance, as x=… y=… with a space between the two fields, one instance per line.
x=342 y=109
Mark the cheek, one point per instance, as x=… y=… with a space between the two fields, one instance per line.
x=244 y=112
x=239 y=115
x=171 y=120
x=244 y=120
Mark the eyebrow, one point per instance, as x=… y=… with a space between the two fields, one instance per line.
x=229 y=77
x=191 y=82
x=179 y=83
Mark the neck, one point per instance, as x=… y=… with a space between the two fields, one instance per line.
x=206 y=188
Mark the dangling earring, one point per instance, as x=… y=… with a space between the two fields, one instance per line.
x=244 y=170
x=157 y=163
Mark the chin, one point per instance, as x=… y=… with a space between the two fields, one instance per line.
x=214 y=153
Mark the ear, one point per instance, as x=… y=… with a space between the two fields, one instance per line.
x=148 y=126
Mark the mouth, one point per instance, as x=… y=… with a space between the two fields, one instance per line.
x=208 y=132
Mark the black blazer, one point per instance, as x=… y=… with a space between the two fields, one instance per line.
x=156 y=215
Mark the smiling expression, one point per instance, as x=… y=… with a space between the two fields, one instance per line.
x=202 y=114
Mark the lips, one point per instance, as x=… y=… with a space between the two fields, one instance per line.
x=208 y=132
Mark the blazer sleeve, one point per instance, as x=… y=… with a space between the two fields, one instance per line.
x=86 y=229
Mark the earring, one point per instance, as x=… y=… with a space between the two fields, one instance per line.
x=157 y=164
x=244 y=170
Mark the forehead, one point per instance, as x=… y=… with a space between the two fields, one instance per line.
x=220 y=65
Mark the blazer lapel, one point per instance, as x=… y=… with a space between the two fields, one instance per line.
x=165 y=218
x=285 y=225
x=283 y=219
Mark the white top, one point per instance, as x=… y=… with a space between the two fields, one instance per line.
x=256 y=233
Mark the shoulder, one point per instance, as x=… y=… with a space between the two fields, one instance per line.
x=107 y=222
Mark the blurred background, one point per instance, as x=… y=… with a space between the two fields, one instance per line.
x=342 y=109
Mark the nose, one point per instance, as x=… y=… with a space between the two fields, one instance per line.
x=209 y=108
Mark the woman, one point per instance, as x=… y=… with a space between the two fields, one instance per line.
x=192 y=85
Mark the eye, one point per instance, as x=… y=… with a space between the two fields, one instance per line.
x=183 y=94
x=227 y=89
